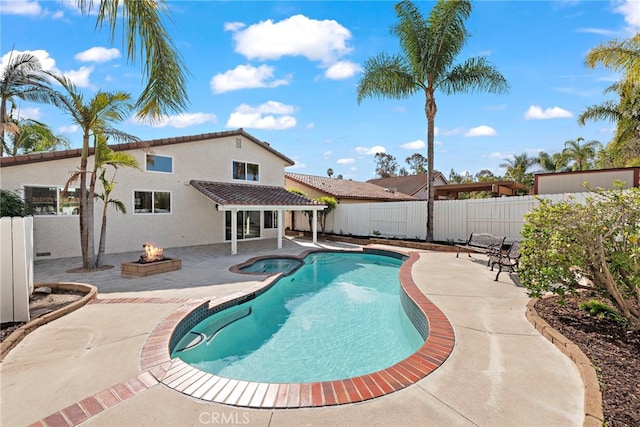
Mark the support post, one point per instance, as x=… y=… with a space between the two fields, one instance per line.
x=280 y=227
x=234 y=232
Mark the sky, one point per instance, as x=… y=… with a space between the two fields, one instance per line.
x=287 y=73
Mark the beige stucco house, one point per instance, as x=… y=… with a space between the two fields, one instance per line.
x=187 y=192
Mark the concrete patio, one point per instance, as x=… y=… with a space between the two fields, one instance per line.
x=502 y=372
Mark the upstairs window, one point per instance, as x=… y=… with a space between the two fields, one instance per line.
x=157 y=163
x=246 y=171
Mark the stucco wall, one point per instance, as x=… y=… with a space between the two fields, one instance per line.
x=193 y=220
x=573 y=182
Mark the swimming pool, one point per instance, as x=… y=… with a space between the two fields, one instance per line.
x=340 y=315
x=271 y=265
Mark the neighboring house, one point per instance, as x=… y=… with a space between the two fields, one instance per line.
x=344 y=191
x=413 y=185
x=185 y=193
x=573 y=182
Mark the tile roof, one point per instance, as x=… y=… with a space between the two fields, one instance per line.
x=234 y=194
x=410 y=184
x=44 y=156
x=346 y=189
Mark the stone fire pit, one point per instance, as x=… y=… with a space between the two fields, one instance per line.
x=152 y=261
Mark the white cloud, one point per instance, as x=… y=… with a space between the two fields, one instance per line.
x=414 y=145
x=326 y=154
x=69 y=129
x=499 y=155
x=324 y=41
x=536 y=113
x=447 y=132
x=33 y=113
x=631 y=11
x=20 y=7
x=270 y=115
x=79 y=77
x=481 y=131
x=46 y=62
x=233 y=26
x=599 y=31
x=345 y=161
x=246 y=77
x=342 y=70
x=98 y=54
x=310 y=125
x=183 y=120
x=371 y=151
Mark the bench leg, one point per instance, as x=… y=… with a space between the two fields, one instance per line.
x=499 y=271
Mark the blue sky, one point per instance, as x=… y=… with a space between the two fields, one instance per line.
x=287 y=73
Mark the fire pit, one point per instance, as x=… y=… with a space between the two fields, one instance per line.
x=152 y=261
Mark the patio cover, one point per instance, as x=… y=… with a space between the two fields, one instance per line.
x=236 y=197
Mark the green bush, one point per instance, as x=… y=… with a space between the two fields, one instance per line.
x=569 y=245
x=600 y=309
x=11 y=204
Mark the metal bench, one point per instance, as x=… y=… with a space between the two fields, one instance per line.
x=509 y=259
x=485 y=243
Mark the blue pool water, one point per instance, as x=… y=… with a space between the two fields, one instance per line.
x=336 y=317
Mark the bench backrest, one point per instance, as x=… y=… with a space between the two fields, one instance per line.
x=485 y=240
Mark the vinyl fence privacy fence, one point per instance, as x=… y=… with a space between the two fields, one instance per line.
x=453 y=219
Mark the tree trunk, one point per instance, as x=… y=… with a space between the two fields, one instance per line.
x=83 y=213
x=103 y=236
x=430 y=111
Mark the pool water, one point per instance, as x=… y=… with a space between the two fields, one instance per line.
x=338 y=316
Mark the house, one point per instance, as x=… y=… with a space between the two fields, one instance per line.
x=344 y=191
x=413 y=185
x=573 y=182
x=191 y=190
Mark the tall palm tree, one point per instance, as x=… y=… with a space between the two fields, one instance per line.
x=429 y=48
x=145 y=32
x=22 y=78
x=581 y=154
x=518 y=168
x=95 y=118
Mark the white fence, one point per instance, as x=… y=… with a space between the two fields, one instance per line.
x=453 y=219
x=16 y=262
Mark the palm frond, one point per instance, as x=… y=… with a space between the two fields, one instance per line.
x=386 y=76
x=446 y=35
x=475 y=74
x=608 y=110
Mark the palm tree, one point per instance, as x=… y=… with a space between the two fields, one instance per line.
x=624 y=149
x=95 y=118
x=581 y=154
x=28 y=136
x=429 y=48
x=142 y=26
x=105 y=156
x=618 y=55
x=23 y=78
x=556 y=162
x=518 y=169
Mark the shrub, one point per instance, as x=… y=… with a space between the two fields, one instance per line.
x=600 y=309
x=11 y=204
x=569 y=245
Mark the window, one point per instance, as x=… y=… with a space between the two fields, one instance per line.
x=270 y=219
x=248 y=223
x=159 y=163
x=154 y=202
x=246 y=171
x=52 y=200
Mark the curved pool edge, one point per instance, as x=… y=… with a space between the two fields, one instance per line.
x=184 y=378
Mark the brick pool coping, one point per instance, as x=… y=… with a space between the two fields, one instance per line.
x=174 y=373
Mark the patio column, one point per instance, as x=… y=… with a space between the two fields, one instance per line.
x=280 y=228
x=234 y=231
x=315 y=226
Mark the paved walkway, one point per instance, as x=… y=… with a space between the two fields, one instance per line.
x=501 y=371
